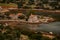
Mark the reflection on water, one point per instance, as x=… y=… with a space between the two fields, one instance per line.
x=51 y=27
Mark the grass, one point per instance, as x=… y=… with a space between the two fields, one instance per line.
x=10 y=4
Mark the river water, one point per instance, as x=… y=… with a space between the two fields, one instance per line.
x=50 y=27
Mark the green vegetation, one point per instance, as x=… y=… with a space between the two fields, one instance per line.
x=7 y=33
x=37 y=4
x=11 y=4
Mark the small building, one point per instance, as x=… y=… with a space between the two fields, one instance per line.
x=33 y=18
x=13 y=16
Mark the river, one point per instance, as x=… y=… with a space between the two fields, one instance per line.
x=50 y=27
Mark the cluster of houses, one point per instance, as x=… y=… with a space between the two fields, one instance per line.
x=32 y=18
x=37 y=19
